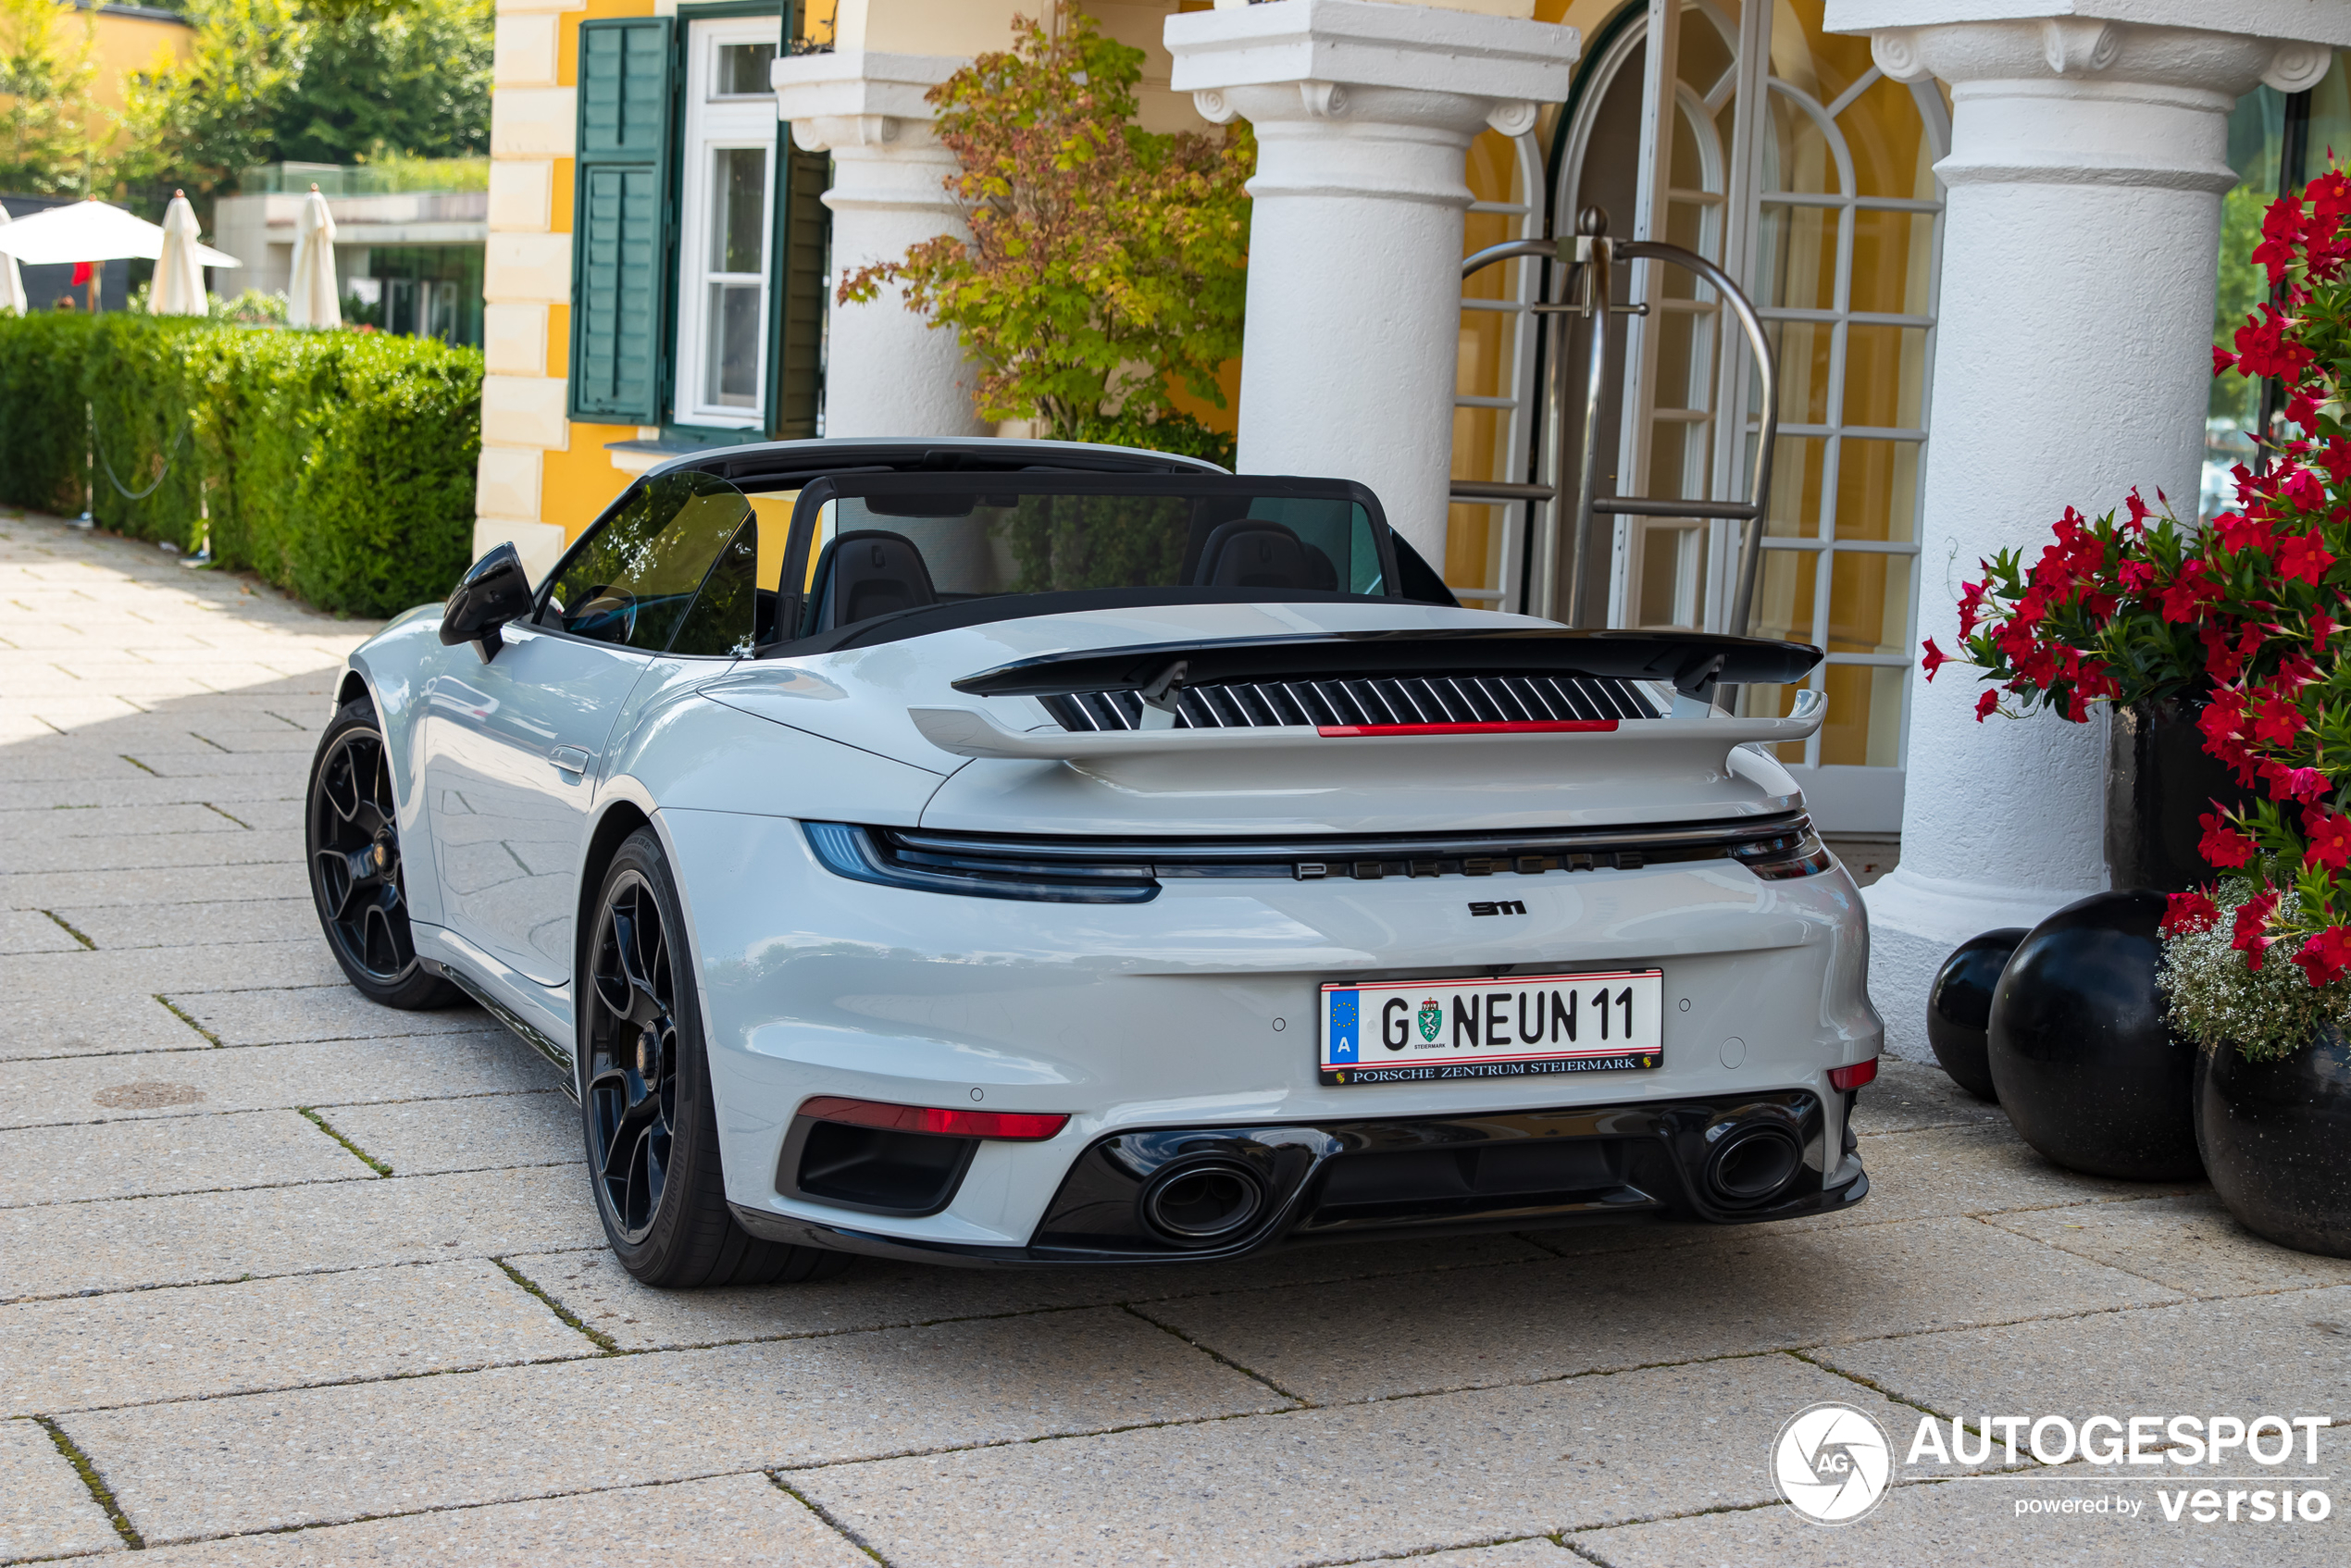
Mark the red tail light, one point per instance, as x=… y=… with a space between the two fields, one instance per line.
x=1854 y=1076
x=1011 y=1126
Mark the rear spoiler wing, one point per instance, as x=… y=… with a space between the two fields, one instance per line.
x=1692 y=662
x=967 y=733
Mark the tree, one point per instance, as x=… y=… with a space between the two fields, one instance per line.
x=1104 y=259
x=326 y=81
x=49 y=140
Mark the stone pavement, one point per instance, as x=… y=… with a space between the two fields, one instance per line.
x=288 y=1278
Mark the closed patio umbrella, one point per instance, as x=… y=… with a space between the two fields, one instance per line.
x=311 y=298
x=179 y=287
x=11 y=280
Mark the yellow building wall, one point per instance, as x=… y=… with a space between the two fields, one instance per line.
x=130 y=43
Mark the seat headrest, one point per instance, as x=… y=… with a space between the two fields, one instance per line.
x=873 y=572
x=1254 y=552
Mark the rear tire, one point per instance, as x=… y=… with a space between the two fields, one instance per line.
x=651 y=1128
x=352 y=831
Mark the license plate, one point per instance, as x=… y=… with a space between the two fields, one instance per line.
x=1408 y=1031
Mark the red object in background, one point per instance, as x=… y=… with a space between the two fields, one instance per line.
x=81 y=270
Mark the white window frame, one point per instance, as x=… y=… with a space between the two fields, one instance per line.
x=714 y=124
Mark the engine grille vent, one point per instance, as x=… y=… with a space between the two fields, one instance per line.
x=1379 y=700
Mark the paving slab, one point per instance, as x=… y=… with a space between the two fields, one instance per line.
x=471 y=1133
x=179 y=885
x=1910 y=1095
x=874 y=1294
x=1972 y=1520
x=1758 y=1288
x=170 y=971
x=45 y=1509
x=332 y=1454
x=19 y=824
x=278 y=1015
x=68 y=856
x=1541 y=1551
x=2280 y=1355
x=325 y=1073
x=144 y=1347
x=745 y=1519
x=195 y=925
x=1977 y=1169
x=64 y=1021
x=251 y=1149
x=2190 y=1243
x=132 y=1243
x=34 y=931
x=1392 y=1477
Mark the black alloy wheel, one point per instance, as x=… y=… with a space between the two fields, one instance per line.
x=352 y=833
x=646 y=1101
x=632 y=1064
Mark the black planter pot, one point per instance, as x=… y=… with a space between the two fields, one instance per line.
x=2080 y=1053
x=2158 y=780
x=1959 y=1008
x=2276 y=1138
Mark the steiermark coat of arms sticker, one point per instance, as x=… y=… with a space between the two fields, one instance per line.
x=1432 y=1018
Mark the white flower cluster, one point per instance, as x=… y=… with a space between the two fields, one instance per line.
x=2214 y=997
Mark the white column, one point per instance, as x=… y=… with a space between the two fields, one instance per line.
x=887 y=373
x=1363 y=113
x=2088 y=156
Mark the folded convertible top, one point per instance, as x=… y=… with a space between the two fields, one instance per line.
x=1691 y=661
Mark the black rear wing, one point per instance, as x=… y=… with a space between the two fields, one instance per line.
x=1692 y=662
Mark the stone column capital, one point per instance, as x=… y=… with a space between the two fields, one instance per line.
x=855 y=98
x=2215 y=46
x=1362 y=62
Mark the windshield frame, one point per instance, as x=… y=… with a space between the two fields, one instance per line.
x=798 y=550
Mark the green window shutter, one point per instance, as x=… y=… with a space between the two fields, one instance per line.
x=803 y=237
x=620 y=217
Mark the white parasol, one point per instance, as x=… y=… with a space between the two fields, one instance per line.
x=11 y=280
x=178 y=286
x=312 y=299
x=91 y=230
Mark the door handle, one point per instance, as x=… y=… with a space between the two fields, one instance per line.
x=573 y=760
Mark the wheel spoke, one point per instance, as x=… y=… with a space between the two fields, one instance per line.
x=355 y=854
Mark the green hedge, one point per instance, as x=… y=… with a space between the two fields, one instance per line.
x=340 y=466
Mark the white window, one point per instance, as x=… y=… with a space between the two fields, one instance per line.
x=728 y=176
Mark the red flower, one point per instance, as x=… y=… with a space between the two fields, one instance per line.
x=2325 y=956
x=1986 y=705
x=2137 y=520
x=2250 y=936
x=1935 y=658
x=2303 y=784
x=2304 y=555
x=2240 y=530
x=2300 y=486
x=2268 y=345
x=2330 y=839
x=2302 y=411
x=2188 y=912
x=2222 y=844
x=2277 y=722
x=2136 y=576
x=2223 y=360
x=1971 y=600
x=2187 y=590
x=2321 y=627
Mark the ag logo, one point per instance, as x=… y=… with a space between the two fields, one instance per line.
x=1432 y=1018
x=1832 y=1463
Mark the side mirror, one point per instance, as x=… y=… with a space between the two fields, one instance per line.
x=495 y=589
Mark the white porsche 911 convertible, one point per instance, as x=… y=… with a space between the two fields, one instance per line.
x=1019 y=853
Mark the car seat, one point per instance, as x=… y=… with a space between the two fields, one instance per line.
x=1253 y=553
x=869 y=572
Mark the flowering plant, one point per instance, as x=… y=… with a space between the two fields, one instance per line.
x=2245 y=616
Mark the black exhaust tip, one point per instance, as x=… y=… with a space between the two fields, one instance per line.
x=1201 y=1202
x=1752 y=1163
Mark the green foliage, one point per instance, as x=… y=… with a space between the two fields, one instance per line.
x=269 y=79
x=2241 y=290
x=339 y=465
x=1104 y=259
x=42 y=424
x=50 y=126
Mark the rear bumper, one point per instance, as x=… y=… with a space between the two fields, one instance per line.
x=1417 y=1175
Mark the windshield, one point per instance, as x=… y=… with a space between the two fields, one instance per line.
x=867 y=548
